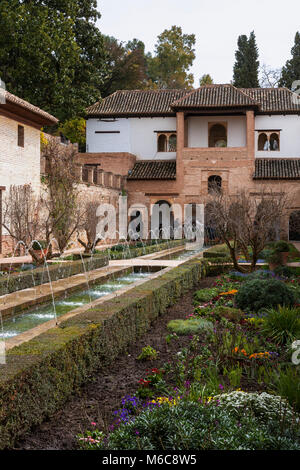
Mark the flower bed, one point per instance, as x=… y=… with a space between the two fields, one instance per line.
x=234 y=386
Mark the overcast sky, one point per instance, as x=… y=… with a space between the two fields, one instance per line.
x=216 y=24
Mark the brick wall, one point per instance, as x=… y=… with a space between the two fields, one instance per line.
x=19 y=165
x=118 y=163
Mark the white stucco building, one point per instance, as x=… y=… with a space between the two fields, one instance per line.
x=173 y=145
x=20 y=136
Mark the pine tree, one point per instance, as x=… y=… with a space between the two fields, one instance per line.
x=206 y=80
x=291 y=70
x=245 y=70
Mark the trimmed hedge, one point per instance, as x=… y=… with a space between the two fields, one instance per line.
x=215 y=254
x=147 y=250
x=41 y=374
x=27 y=279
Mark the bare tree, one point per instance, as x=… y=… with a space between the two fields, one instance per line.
x=269 y=78
x=60 y=199
x=245 y=223
x=21 y=216
x=88 y=223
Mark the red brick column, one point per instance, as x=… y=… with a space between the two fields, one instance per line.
x=250 y=134
x=180 y=146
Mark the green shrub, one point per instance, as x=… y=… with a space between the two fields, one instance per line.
x=205 y=295
x=214 y=254
x=257 y=294
x=282 y=325
x=39 y=245
x=189 y=326
x=148 y=354
x=287 y=384
x=230 y=313
x=189 y=425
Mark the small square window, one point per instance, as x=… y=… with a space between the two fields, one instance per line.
x=20 y=136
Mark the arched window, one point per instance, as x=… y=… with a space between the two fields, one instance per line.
x=294 y=226
x=274 y=141
x=214 y=183
x=268 y=141
x=172 y=143
x=162 y=143
x=217 y=136
x=263 y=142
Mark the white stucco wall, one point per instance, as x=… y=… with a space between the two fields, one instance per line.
x=19 y=165
x=135 y=135
x=110 y=142
x=198 y=130
x=289 y=135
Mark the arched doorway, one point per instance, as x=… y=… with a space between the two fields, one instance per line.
x=210 y=227
x=294 y=226
x=162 y=220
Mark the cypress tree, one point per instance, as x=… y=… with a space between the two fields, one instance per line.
x=245 y=70
x=291 y=70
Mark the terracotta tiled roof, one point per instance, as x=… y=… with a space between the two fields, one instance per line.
x=279 y=168
x=273 y=99
x=166 y=102
x=153 y=170
x=136 y=103
x=9 y=97
x=215 y=96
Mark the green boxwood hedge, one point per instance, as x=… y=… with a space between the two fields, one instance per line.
x=35 y=277
x=41 y=374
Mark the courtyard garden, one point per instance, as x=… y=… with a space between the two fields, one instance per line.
x=232 y=383
x=219 y=370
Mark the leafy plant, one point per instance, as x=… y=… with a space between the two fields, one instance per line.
x=215 y=425
x=287 y=384
x=205 y=295
x=282 y=325
x=148 y=354
x=189 y=326
x=257 y=294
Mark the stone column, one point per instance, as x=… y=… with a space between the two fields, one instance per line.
x=91 y=175
x=78 y=171
x=100 y=177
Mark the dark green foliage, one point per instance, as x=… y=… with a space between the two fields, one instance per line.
x=195 y=426
x=245 y=71
x=291 y=70
x=287 y=384
x=256 y=294
x=126 y=65
x=215 y=254
x=282 y=325
x=52 y=54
